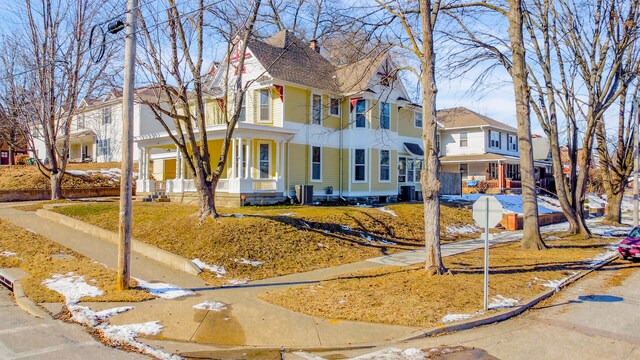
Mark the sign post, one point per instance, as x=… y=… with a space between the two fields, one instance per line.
x=487 y=213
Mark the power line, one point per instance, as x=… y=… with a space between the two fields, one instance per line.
x=156 y=25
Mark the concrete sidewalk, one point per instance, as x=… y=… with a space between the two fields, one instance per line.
x=102 y=251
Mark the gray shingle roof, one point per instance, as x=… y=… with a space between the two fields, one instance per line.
x=463 y=117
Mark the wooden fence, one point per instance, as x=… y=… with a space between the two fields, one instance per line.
x=451 y=183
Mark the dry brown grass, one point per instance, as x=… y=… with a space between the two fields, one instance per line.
x=288 y=239
x=408 y=296
x=24 y=177
x=35 y=254
x=450 y=215
x=619 y=271
x=40 y=205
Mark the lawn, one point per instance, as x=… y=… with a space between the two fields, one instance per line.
x=278 y=240
x=43 y=258
x=408 y=296
x=23 y=177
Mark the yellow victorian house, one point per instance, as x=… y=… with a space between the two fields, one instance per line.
x=348 y=130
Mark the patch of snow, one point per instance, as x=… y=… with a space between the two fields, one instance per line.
x=72 y=287
x=121 y=334
x=164 y=290
x=321 y=245
x=394 y=354
x=456 y=317
x=211 y=306
x=7 y=253
x=236 y=282
x=388 y=211
x=249 y=262
x=363 y=205
x=602 y=257
x=462 y=230
x=346 y=228
x=500 y=302
x=239 y=216
x=218 y=269
x=556 y=284
x=289 y=214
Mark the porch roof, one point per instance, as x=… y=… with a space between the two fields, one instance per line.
x=214 y=132
x=489 y=157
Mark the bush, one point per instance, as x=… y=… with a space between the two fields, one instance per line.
x=22 y=159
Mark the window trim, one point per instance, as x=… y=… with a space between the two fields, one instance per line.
x=415 y=115
x=380 y=108
x=311 y=179
x=355 y=115
x=466 y=133
x=353 y=166
x=259 y=160
x=268 y=91
x=499 y=147
x=331 y=106
x=380 y=165
x=311 y=120
x=509 y=142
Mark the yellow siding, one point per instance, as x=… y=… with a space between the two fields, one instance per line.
x=345 y=169
x=330 y=169
x=376 y=184
x=406 y=124
x=169 y=170
x=296 y=104
x=297 y=168
x=374 y=114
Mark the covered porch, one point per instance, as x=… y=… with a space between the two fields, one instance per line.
x=255 y=164
x=490 y=171
x=82 y=146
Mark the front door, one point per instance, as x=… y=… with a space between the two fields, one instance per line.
x=265 y=163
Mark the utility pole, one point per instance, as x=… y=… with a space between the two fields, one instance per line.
x=126 y=186
x=636 y=162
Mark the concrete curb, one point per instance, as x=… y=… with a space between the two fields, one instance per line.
x=13 y=277
x=504 y=315
x=170 y=259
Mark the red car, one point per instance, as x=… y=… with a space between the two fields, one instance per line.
x=630 y=246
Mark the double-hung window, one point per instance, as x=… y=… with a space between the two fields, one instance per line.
x=493 y=171
x=104 y=146
x=316 y=163
x=495 y=139
x=316 y=109
x=106 y=115
x=385 y=165
x=265 y=164
x=402 y=169
x=385 y=115
x=417 y=119
x=513 y=171
x=242 y=117
x=464 y=142
x=334 y=107
x=418 y=170
x=361 y=117
x=512 y=142
x=265 y=105
x=410 y=170
x=360 y=165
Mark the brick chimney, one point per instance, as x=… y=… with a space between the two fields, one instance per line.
x=314 y=45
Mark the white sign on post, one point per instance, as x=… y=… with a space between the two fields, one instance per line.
x=487 y=213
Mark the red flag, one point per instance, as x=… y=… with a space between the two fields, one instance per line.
x=353 y=102
x=280 y=90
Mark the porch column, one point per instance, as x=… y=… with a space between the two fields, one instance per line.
x=278 y=173
x=247 y=154
x=147 y=159
x=281 y=171
x=501 y=178
x=233 y=158
x=249 y=160
x=140 y=157
x=178 y=163
x=181 y=165
x=240 y=158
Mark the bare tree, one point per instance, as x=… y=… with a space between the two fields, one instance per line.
x=479 y=46
x=174 y=60
x=53 y=71
x=417 y=39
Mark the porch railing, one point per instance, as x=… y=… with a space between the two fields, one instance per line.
x=265 y=184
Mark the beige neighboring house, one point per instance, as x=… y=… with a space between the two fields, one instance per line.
x=481 y=149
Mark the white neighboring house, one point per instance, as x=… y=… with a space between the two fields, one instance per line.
x=96 y=131
x=481 y=148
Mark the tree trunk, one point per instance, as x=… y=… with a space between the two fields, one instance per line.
x=531 y=238
x=206 y=194
x=56 y=185
x=614 y=207
x=429 y=176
